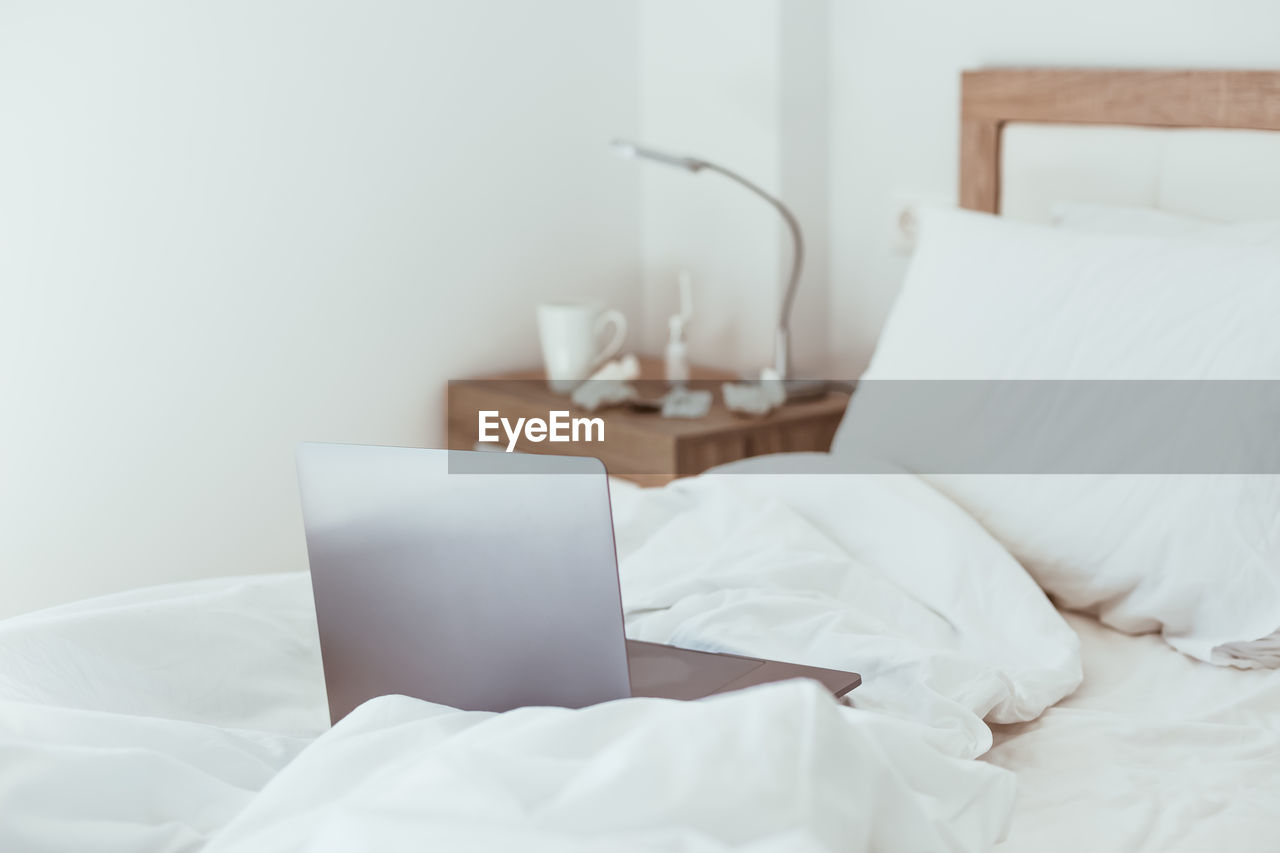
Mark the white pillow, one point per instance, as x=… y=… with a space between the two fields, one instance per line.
x=1196 y=557
x=1113 y=219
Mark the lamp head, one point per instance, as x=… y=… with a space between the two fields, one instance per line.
x=631 y=151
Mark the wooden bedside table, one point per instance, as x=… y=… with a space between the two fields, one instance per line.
x=645 y=447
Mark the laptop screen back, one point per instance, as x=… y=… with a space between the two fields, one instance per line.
x=483 y=591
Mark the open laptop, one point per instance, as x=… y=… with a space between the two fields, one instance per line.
x=485 y=581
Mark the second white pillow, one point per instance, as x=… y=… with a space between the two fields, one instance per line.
x=1151 y=222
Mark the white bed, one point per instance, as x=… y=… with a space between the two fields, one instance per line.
x=1154 y=751
x=192 y=717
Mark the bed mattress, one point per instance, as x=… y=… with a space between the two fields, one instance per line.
x=1153 y=752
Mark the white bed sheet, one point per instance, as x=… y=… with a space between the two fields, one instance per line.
x=1154 y=752
x=192 y=717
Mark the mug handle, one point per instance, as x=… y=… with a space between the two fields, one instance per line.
x=619 y=322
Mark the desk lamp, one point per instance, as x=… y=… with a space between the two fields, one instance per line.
x=782 y=342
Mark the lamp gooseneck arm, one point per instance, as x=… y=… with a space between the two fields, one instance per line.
x=782 y=344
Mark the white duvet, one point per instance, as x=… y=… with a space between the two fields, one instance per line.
x=193 y=716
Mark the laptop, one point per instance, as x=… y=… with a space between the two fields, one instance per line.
x=485 y=581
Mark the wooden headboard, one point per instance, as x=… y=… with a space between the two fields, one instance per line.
x=991 y=98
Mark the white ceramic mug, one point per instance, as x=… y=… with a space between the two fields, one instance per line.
x=569 y=334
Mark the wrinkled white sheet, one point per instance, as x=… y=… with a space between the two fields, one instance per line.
x=780 y=767
x=1155 y=752
x=880 y=575
x=193 y=716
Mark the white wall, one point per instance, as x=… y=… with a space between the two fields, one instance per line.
x=226 y=227
x=894 y=105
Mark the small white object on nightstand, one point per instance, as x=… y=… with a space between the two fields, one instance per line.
x=677 y=355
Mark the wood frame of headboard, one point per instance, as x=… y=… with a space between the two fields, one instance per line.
x=991 y=98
